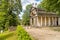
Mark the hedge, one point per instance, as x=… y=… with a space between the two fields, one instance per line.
x=22 y=34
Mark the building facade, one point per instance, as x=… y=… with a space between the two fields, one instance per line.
x=40 y=18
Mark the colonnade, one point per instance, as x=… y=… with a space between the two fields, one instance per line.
x=44 y=21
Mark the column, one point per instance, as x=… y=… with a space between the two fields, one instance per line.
x=59 y=21
x=52 y=21
x=38 y=21
x=45 y=20
x=31 y=21
x=49 y=21
x=34 y=21
x=55 y=21
x=41 y=20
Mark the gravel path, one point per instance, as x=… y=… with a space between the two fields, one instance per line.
x=43 y=33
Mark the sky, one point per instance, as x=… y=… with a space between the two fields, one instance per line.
x=26 y=2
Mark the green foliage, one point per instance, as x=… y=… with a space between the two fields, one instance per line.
x=51 y=5
x=28 y=7
x=22 y=34
x=3 y=36
x=6 y=25
x=26 y=18
x=9 y=11
x=2 y=20
x=13 y=20
x=19 y=34
x=26 y=15
x=39 y=6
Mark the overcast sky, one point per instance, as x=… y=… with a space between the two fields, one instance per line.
x=26 y=2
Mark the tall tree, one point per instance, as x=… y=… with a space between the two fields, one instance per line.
x=9 y=11
x=51 y=5
x=25 y=17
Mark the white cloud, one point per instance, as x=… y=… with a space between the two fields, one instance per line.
x=26 y=2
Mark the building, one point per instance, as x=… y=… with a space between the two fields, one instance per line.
x=40 y=18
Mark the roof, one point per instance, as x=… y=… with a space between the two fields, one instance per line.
x=43 y=12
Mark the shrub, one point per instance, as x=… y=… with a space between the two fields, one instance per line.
x=22 y=34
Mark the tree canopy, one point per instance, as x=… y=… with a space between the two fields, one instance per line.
x=50 y=5
x=9 y=11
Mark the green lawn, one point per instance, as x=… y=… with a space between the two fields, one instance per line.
x=13 y=37
x=18 y=34
x=8 y=36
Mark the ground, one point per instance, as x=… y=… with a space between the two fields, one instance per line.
x=43 y=33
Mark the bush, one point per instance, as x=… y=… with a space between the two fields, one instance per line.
x=22 y=34
x=3 y=36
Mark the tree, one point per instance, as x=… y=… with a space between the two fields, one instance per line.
x=51 y=5
x=9 y=11
x=26 y=15
x=16 y=7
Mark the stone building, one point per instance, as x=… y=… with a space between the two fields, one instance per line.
x=40 y=18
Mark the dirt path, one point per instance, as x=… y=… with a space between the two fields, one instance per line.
x=43 y=33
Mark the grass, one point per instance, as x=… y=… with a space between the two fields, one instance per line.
x=13 y=37
x=19 y=34
x=5 y=35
